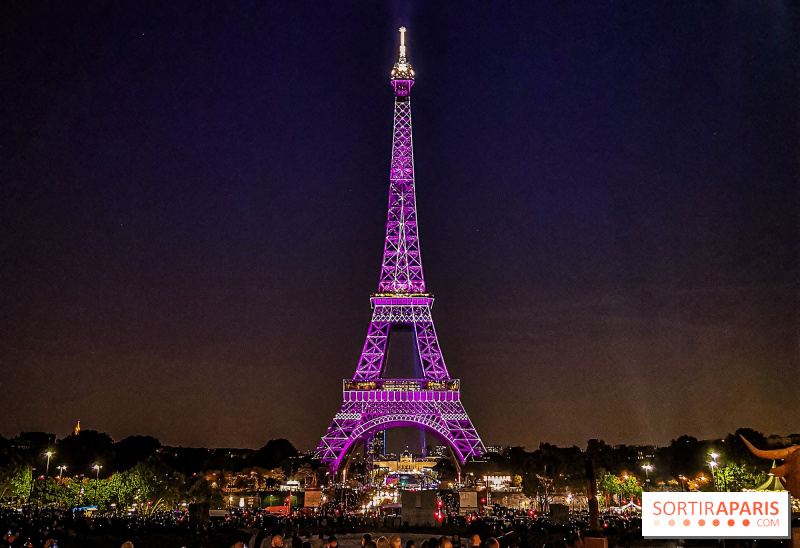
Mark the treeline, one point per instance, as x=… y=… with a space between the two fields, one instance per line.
x=682 y=465
x=78 y=453
x=90 y=469
x=90 y=466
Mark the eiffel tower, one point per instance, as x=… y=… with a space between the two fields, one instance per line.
x=433 y=401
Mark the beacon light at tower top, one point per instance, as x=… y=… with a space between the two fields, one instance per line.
x=402 y=68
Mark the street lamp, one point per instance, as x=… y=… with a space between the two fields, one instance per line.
x=647 y=468
x=230 y=497
x=61 y=468
x=96 y=467
x=48 y=454
x=713 y=464
x=47 y=470
x=683 y=479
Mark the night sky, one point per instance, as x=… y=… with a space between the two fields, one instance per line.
x=194 y=203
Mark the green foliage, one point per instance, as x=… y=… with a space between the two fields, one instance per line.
x=608 y=484
x=151 y=488
x=67 y=493
x=629 y=488
x=6 y=486
x=626 y=485
x=22 y=483
x=160 y=489
x=736 y=477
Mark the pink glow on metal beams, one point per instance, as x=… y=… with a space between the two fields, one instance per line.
x=371 y=403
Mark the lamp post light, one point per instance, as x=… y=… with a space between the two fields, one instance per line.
x=96 y=468
x=47 y=470
x=61 y=471
x=230 y=487
x=647 y=468
x=712 y=465
x=48 y=454
x=683 y=479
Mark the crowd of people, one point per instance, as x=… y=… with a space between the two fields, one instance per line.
x=53 y=528
x=260 y=540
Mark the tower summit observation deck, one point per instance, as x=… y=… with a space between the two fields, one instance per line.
x=431 y=402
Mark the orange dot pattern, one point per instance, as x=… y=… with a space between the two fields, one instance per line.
x=701 y=522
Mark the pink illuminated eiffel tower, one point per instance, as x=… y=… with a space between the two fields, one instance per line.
x=372 y=403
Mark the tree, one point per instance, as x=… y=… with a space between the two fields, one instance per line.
x=22 y=482
x=737 y=477
x=601 y=454
x=276 y=476
x=445 y=470
x=274 y=454
x=629 y=487
x=35 y=442
x=683 y=457
x=81 y=451
x=200 y=490
x=9 y=473
x=160 y=489
x=304 y=474
x=734 y=450
x=133 y=450
x=608 y=484
x=626 y=486
x=516 y=458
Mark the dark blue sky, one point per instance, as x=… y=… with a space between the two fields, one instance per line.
x=194 y=199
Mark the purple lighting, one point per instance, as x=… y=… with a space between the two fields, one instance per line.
x=371 y=403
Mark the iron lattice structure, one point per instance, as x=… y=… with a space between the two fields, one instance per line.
x=433 y=401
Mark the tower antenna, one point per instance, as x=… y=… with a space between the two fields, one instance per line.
x=402 y=44
x=402 y=68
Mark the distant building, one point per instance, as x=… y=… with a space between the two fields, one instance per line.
x=407 y=471
x=493 y=449
x=646 y=452
x=406 y=463
x=497 y=482
x=379 y=444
